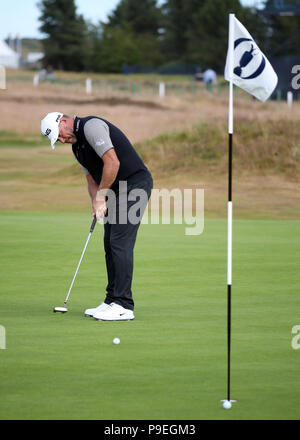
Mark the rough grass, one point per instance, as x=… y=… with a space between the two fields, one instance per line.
x=182 y=138
x=10 y=139
x=258 y=149
x=264 y=179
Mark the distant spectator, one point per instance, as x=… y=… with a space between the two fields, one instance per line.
x=49 y=69
x=47 y=74
x=210 y=77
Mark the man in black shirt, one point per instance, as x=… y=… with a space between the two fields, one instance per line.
x=114 y=173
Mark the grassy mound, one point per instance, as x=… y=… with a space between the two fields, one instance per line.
x=17 y=140
x=260 y=148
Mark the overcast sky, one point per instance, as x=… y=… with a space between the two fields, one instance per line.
x=21 y=16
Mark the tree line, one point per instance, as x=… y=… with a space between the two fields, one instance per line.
x=150 y=33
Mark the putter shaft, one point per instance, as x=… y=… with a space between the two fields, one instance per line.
x=89 y=236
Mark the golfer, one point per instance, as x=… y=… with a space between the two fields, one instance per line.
x=119 y=185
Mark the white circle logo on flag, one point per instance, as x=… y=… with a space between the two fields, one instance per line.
x=251 y=60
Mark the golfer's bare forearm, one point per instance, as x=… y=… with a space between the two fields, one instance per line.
x=110 y=170
x=109 y=174
x=108 y=177
x=92 y=187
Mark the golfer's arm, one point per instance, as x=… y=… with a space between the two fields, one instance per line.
x=92 y=186
x=110 y=170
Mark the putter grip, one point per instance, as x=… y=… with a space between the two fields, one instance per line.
x=93 y=224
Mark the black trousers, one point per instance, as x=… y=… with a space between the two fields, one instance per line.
x=121 y=225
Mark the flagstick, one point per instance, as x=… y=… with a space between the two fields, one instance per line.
x=229 y=209
x=261 y=88
x=229 y=243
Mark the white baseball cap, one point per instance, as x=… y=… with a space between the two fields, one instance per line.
x=49 y=126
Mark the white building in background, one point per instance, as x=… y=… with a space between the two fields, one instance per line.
x=34 y=57
x=33 y=60
x=8 y=57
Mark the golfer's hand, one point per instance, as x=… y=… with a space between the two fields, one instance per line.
x=99 y=208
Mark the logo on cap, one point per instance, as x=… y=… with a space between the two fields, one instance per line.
x=48 y=131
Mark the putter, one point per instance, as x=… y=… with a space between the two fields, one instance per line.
x=64 y=308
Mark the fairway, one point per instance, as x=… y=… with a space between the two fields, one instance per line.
x=171 y=361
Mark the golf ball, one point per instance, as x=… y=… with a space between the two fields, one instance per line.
x=116 y=341
x=226 y=404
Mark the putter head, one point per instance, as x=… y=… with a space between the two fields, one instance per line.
x=60 y=309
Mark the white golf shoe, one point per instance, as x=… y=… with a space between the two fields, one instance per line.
x=90 y=312
x=114 y=312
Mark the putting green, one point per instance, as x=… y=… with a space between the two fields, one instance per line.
x=171 y=361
